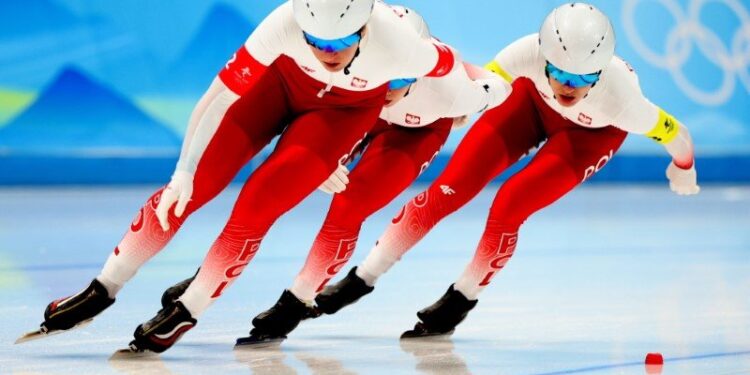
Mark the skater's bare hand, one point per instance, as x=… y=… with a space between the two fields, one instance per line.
x=179 y=190
x=337 y=182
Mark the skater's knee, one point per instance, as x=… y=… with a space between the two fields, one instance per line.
x=347 y=210
x=511 y=209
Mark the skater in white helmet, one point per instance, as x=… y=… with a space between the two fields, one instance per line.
x=413 y=126
x=316 y=70
x=570 y=90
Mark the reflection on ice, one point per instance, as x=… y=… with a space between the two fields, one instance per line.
x=435 y=355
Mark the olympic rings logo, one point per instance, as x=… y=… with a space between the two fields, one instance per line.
x=733 y=60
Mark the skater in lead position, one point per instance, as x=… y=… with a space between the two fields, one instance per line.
x=317 y=70
x=568 y=90
x=413 y=126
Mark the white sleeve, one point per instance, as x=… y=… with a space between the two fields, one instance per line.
x=473 y=96
x=519 y=58
x=427 y=57
x=639 y=116
x=268 y=40
x=205 y=129
x=200 y=109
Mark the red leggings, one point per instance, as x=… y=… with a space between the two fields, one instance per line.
x=316 y=133
x=393 y=158
x=501 y=137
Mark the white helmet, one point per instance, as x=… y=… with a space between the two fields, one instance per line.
x=414 y=19
x=332 y=19
x=577 y=38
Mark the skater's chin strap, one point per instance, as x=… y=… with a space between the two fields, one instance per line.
x=356 y=54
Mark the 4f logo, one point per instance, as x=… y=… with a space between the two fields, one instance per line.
x=667 y=131
x=447 y=190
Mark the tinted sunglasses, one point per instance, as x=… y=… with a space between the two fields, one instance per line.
x=332 y=45
x=570 y=79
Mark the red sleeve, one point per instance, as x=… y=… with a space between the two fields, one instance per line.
x=445 y=62
x=241 y=71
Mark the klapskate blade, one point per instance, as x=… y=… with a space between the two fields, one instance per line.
x=128 y=353
x=251 y=342
x=426 y=336
x=39 y=334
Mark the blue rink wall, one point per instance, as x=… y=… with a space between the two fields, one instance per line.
x=113 y=170
x=100 y=92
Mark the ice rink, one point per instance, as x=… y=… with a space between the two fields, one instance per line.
x=599 y=279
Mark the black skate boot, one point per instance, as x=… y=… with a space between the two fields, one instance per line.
x=163 y=330
x=343 y=293
x=175 y=291
x=272 y=325
x=442 y=317
x=72 y=312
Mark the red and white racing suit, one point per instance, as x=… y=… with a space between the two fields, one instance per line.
x=405 y=140
x=275 y=85
x=580 y=140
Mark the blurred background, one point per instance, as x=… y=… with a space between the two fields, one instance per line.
x=99 y=92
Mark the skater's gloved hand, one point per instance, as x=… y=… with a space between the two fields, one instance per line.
x=336 y=183
x=179 y=190
x=683 y=181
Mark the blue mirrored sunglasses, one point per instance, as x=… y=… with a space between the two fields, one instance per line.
x=332 y=45
x=400 y=83
x=570 y=79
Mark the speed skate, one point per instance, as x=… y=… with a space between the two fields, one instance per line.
x=43 y=332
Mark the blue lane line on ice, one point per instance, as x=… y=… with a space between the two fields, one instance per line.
x=641 y=363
